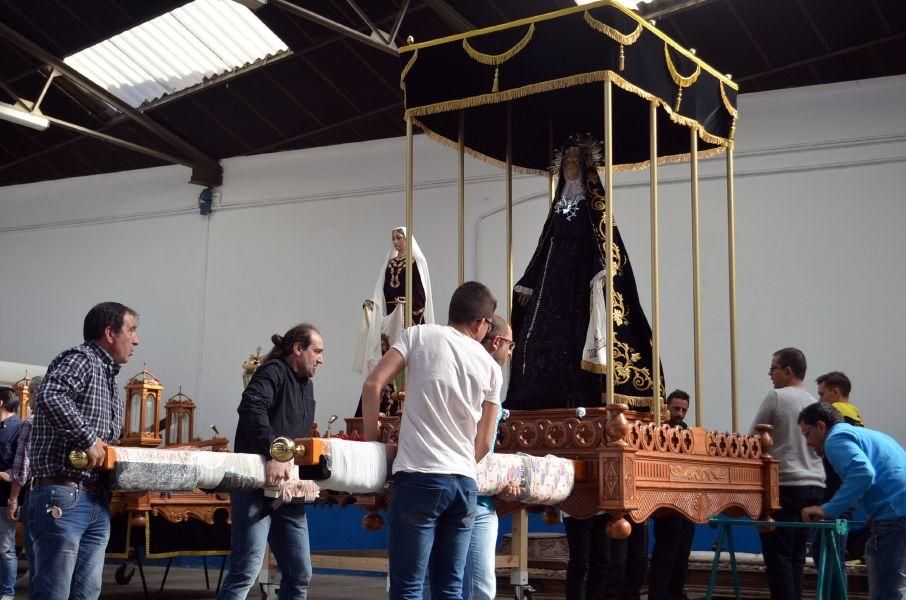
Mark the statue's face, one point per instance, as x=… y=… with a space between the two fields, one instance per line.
x=399 y=241
x=572 y=165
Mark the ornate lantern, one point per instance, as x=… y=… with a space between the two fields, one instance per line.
x=250 y=366
x=22 y=390
x=142 y=427
x=180 y=420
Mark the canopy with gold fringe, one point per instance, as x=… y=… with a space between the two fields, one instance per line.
x=550 y=68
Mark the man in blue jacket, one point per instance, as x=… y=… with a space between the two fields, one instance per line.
x=872 y=466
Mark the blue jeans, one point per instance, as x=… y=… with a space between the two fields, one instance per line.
x=255 y=524
x=7 y=557
x=479 y=580
x=429 y=520
x=885 y=554
x=69 y=528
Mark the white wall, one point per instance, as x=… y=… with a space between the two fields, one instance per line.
x=300 y=236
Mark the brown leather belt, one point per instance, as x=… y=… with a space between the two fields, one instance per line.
x=64 y=481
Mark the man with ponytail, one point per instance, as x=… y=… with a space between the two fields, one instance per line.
x=278 y=401
x=448 y=425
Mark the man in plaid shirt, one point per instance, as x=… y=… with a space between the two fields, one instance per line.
x=77 y=408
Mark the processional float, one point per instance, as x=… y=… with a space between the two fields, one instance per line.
x=503 y=95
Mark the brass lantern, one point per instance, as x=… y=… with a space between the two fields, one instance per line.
x=180 y=420
x=142 y=427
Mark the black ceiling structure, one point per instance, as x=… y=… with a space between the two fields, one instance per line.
x=340 y=81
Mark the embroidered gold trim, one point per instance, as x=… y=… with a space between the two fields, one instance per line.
x=621 y=38
x=496 y=60
x=568 y=11
x=639 y=166
x=406 y=70
x=734 y=112
x=559 y=84
x=499 y=59
x=683 y=81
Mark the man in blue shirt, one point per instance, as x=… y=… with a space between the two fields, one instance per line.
x=872 y=466
x=9 y=439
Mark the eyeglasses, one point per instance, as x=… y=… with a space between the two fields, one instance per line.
x=808 y=431
x=488 y=322
x=509 y=343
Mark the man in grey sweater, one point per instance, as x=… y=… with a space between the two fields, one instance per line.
x=801 y=472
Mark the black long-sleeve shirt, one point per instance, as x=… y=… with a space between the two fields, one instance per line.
x=276 y=402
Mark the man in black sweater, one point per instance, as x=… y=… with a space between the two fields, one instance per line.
x=278 y=401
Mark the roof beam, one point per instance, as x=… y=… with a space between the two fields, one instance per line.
x=206 y=170
x=450 y=16
x=292 y=8
x=814 y=59
x=673 y=8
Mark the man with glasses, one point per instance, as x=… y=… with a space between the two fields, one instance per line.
x=801 y=472
x=448 y=426
x=873 y=468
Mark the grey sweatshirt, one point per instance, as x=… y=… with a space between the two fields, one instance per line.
x=799 y=465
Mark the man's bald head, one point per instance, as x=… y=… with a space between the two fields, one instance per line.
x=499 y=340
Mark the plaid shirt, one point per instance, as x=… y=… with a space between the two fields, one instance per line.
x=21 y=470
x=78 y=402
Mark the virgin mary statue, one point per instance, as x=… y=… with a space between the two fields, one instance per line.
x=559 y=315
x=384 y=312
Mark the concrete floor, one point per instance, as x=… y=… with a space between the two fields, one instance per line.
x=189 y=584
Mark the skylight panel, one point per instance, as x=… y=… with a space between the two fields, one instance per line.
x=178 y=50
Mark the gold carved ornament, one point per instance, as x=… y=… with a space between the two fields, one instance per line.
x=622 y=39
x=496 y=60
x=683 y=81
x=625 y=356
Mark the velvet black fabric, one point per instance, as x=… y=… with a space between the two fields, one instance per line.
x=550 y=328
x=562 y=52
x=395 y=288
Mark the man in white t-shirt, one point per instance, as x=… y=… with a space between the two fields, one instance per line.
x=448 y=424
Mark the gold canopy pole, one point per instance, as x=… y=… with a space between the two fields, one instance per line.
x=608 y=236
x=462 y=197
x=409 y=221
x=655 y=296
x=509 y=210
x=731 y=251
x=696 y=279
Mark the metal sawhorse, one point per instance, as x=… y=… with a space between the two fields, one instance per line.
x=830 y=568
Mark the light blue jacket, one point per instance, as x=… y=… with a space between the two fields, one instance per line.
x=872 y=466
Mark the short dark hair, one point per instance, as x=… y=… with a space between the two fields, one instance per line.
x=836 y=379
x=794 y=359
x=283 y=344
x=498 y=324
x=9 y=398
x=470 y=302
x=820 y=411
x=677 y=394
x=104 y=315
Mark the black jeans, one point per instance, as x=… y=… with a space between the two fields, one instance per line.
x=784 y=548
x=670 y=557
x=588 y=553
x=628 y=563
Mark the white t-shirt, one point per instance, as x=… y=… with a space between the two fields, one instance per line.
x=450 y=377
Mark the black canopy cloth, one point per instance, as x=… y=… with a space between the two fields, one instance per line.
x=549 y=69
x=507 y=94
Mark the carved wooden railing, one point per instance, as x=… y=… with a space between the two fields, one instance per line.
x=637 y=467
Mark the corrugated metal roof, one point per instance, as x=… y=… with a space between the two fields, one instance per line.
x=178 y=50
